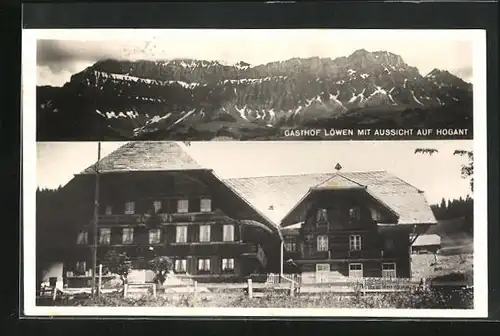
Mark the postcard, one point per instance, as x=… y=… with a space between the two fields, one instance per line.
x=345 y=174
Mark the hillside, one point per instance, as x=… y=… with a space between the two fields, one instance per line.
x=197 y=99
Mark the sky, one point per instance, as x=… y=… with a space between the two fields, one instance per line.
x=438 y=175
x=62 y=53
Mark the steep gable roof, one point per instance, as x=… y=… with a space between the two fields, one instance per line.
x=146 y=156
x=402 y=198
x=274 y=196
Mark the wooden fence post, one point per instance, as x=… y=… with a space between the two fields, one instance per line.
x=250 y=289
x=54 y=293
x=154 y=290
x=194 y=290
x=292 y=289
x=99 y=287
x=125 y=290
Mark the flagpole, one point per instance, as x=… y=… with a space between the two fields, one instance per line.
x=96 y=218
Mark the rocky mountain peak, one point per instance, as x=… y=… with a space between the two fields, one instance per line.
x=137 y=98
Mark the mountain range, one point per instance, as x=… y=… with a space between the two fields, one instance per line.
x=190 y=99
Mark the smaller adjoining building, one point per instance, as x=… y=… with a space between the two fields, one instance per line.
x=426 y=243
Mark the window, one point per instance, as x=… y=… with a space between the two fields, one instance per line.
x=129 y=208
x=157 y=206
x=290 y=244
x=204 y=233
x=181 y=234
x=322 y=272
x=228 y=232
x=204 y=265
x=180 y=266
x=104 y=236
x=182 y=206
x=205 y=205
x=355 y=242
x=108 y=210
x=128 y=235
x=376 y=216
x=321 y=217
x=355 y=213
x=81 y=267
x=389 y=270
x=322 y=267
x=227 y=264
x=154 y=236
x=356 y=270
x=83 y=237
x=322 y=243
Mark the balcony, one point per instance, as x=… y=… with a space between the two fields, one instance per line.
x=212 y=248
x=164 y=218
x=344 y=255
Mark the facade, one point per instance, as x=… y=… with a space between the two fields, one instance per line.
x=357 y=225
x=167 y=206
x=342 y=224
x=155 y=200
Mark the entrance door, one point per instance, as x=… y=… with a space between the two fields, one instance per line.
x=322 y=272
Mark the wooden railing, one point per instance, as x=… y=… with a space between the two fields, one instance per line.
x=162 y=217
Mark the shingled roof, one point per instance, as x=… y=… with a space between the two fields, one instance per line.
x=276 y=196
x=427 y=239
x=146 y=156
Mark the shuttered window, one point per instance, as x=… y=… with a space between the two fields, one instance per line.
x=154 y=236
x=157 y=206
x=204 y=233
x=104 y=236
x=128 y=235
x=180 y=266
x=182 y=206
x=322 y=243
x=204 y=265
x=227 y=264
x=129 y=208
x=83 y=238
x=228 y=232
x=205 y=205
x=181 y=234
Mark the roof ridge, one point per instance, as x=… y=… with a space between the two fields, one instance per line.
x=341 y=175
x=302 y=174
x=264 y=176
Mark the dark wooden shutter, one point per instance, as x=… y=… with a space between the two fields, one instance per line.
x=191 y=265
x=194 y=205
x=216 y=232
x=215 y=265
x=193 y=233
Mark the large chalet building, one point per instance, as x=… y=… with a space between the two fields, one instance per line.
x=156 y=200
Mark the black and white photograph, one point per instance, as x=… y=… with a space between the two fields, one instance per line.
x=254 y=172
x=296 y=84
x=336 y=225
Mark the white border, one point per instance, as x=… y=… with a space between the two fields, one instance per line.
x=478 y=37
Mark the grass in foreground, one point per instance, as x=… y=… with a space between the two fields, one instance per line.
x=416 y=300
